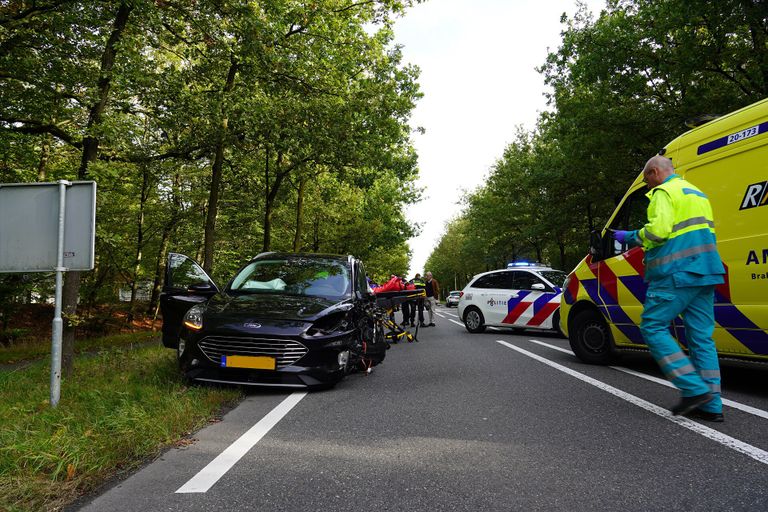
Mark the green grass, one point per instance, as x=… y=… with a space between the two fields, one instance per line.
x=25 y=351
x=119 y=408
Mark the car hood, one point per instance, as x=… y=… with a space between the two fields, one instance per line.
x=269 y=307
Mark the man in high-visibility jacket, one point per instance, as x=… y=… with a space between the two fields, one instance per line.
x=682 y=267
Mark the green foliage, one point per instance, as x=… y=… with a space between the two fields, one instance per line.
x=622 y=86
x=118 y=409
x=212 y=115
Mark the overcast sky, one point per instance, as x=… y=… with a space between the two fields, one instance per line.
x=477 y=61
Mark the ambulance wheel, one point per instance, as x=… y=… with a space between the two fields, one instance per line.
x=474 y=321
x=590 y=338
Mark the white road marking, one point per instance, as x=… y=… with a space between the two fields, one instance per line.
x=219 y=466
x=553 y=347
x=730 y=403
x=449 y=319
x=715 y=435
x=451 y=314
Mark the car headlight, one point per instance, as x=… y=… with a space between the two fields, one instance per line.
x=334 y=323
x=194 y=317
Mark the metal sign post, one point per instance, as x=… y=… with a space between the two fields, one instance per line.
x=58 y=325
x=47 y=227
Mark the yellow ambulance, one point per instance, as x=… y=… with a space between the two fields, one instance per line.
x=603 y=297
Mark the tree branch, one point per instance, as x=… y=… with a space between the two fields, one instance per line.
x=32 y=11
x=32 y=127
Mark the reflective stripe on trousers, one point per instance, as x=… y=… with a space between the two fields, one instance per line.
x=699 y=372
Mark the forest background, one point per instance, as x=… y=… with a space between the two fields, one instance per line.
x=620 y=86
x=223 y=128
x=216 y=128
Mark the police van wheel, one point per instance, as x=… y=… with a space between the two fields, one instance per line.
x=590 y=338
x=474 y=321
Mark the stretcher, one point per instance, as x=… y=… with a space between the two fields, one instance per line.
x=388 y=303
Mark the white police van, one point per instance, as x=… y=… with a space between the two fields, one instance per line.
x=523 y=296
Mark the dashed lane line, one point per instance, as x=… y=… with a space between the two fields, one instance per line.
x=712 y=434
x=449 y=319
x=219 y=466
x=730 y=403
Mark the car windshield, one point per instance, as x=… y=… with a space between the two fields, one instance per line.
x=294 y=276
x=556 y=277
x=455 y=294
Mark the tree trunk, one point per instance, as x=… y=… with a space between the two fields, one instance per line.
x=216 y=172
x=756 y=13
x=316 y=234
x=270 y=199
x=561 y=246
x=159 y=267
x=139 y=241
x=45 y=153
x=168 y=230
x=299 y=216
x=71 y=289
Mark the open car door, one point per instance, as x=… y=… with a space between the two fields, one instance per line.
x=186 y=284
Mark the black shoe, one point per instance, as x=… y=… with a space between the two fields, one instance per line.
x=689 y=403
x=422 y=324
x=714 y=417
x=431 y=324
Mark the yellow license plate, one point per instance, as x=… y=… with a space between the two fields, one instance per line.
x=254 y=362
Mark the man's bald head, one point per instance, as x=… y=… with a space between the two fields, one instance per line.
x=657 y=169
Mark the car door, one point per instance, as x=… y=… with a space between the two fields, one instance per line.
x=186 y=284
x=532 y=302
x=496 y=297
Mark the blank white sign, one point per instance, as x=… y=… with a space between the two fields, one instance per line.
x=29 y=226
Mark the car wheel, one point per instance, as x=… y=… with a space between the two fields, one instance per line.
x=590 y=338
x=474 y=321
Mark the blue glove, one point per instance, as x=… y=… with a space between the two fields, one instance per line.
x=621 y=236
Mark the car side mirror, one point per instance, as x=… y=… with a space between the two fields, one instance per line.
x=538 y=286
x=201 y=288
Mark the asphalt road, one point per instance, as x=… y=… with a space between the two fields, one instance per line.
x=462 y=422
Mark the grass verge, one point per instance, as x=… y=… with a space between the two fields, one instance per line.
x=36 y=349
x=119 y=408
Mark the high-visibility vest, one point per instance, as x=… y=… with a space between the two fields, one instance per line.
x=680 y=234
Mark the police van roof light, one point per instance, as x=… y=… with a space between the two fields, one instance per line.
x=521 y=263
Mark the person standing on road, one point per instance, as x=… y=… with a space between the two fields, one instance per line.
x=432 y=289
x=408 y=304
x=419 y=285
x=682 y=267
